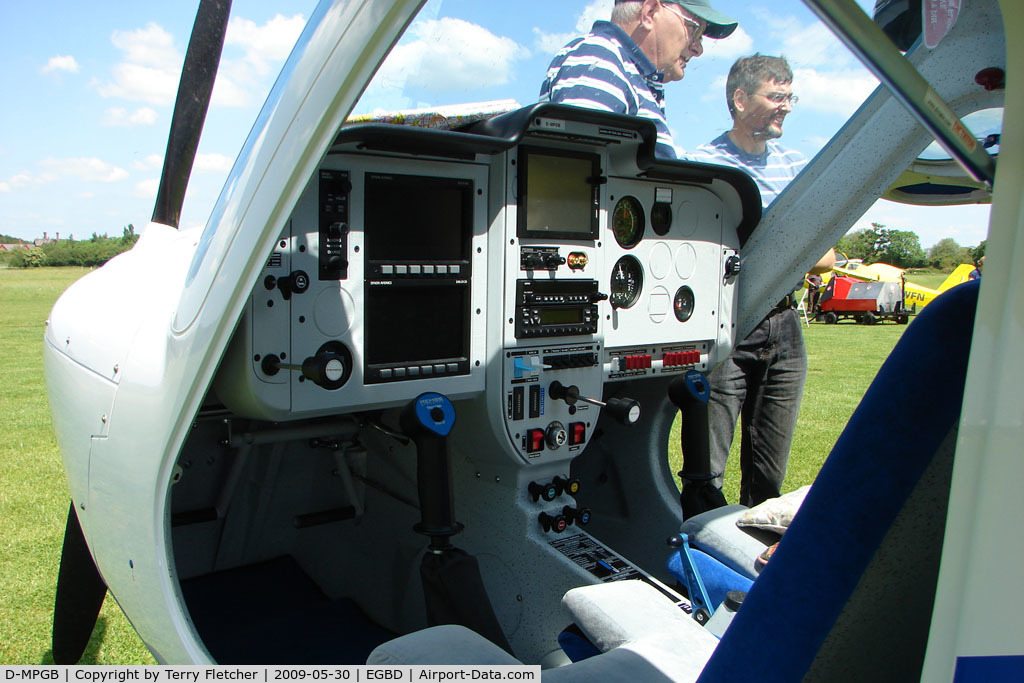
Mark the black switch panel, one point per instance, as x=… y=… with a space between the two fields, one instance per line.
x=335 y=187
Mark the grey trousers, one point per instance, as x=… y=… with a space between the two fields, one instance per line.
x=761 y=381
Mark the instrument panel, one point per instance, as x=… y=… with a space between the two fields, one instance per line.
x=521 y=266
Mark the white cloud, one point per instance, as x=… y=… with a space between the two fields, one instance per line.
x=212 y=163
x=150 y=69
x=243 y=80
x=550 y=43
x=61 y=63
x=834 y=92
x=264 y=44
x=147 y=189
x=149 y=162
x=738 y=44
x=119 y=116
x=451 y=54
x=89 y=169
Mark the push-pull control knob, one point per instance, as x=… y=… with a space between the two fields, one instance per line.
x=547 y=491
x=330 y=367
x=556 y=523
x=625 y=410
x=580 y=516
x=570 y=486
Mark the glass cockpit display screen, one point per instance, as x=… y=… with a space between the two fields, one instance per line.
x=418 y=233
x=558 y=194
x=418 y=218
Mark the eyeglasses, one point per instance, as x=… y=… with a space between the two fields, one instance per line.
x=778 y=98
x=693 y=29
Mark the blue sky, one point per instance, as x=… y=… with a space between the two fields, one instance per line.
x=91 y=88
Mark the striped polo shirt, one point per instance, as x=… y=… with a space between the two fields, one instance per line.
x=772 y=171
x=606 y=70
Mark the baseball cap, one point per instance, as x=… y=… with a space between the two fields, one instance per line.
x=719 y=25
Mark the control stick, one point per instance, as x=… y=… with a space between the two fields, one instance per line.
x=453 y=588
x=625 y=410
x=690 y=393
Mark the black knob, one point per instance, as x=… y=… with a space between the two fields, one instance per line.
x=570 y=486
x=598 y=296
x=297 y=283
x=553 y=259
x=556 y=523
x=337 y=230
x=625 y=410
x=675 y=541
x=532 y=261
x=328 y=370
x=732 y=266
x=546 y=491
x=580 y=516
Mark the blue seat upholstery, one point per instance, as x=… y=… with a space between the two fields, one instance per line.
x=907 y=413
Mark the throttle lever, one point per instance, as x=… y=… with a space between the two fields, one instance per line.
x=624 y=410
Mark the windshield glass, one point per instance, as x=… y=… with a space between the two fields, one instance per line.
x=460 y=52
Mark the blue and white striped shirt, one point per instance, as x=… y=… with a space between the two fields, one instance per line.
x=772 y=171
x=606 y=70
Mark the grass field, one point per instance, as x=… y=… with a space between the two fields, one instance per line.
x=34 y=499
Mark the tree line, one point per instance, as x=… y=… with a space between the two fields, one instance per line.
x=92 y=252
x=902 y=248
x=877 y=244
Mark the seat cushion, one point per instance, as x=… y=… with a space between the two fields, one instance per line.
x=715 y=532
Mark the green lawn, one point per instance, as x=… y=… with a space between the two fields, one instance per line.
x=34 y=497
x=841 y=362
x=33 y=500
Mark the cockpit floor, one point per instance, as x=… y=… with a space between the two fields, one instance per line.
x=273 y=613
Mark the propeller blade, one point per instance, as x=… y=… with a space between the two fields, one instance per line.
x=194 y=90
x=80 y=593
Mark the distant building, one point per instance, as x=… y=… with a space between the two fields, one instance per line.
x=12 y=247
x=45 y=239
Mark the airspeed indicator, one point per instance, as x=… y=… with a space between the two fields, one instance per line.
x=626 y=282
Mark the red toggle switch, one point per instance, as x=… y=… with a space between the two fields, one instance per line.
x=534 y=440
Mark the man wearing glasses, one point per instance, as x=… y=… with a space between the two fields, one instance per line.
x=763 y=378
x=622 y=66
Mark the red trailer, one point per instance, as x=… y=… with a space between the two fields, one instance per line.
x=865 y=302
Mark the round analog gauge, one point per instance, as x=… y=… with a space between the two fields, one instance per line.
x=682 y=304
x=627 y=281
x=628 y=222
x=661 y=218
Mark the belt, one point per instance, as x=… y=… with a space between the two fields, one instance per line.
x=788 y=302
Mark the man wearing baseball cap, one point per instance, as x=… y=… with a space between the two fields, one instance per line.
x=622 y=65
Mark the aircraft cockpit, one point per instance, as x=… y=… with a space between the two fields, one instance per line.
x=411 y=375
x=543 y=273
